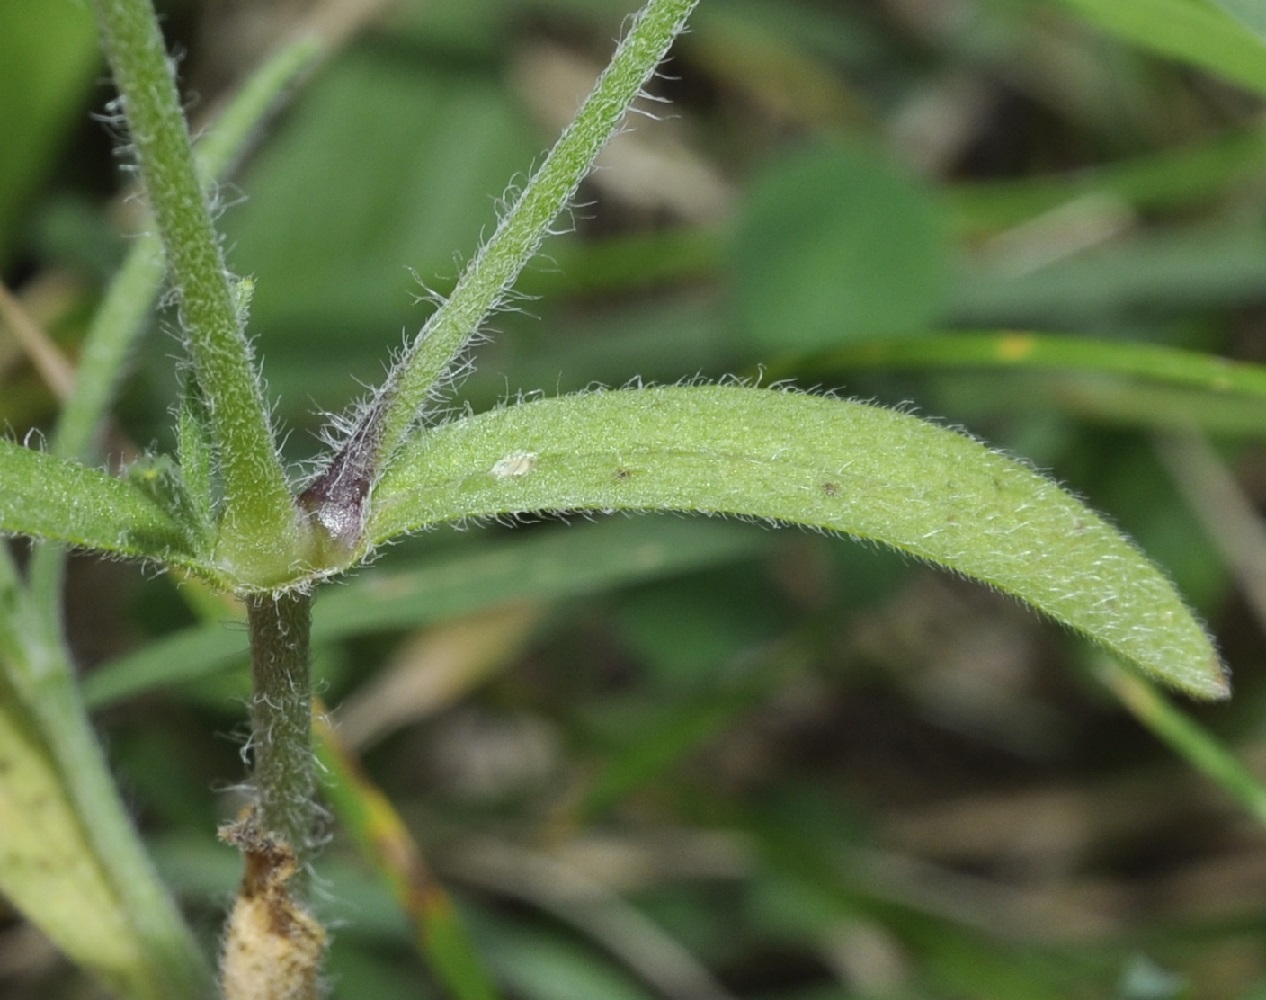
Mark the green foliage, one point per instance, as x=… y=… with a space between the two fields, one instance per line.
x=1201 y=32
x=50 y=862
x=729 y=831
x=51 y=498
x=836 y=245
x=49 y=64
x=1249 y=13
x=797 y=459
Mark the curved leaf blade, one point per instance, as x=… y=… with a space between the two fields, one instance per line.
x=826 y=463
x=61 y=501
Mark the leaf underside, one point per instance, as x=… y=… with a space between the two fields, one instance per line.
x=826 y=463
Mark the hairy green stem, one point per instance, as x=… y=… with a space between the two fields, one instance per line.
x=281 y=718
x=261 y=529
x=337 y=498
x=523 y=228
x=120 y=318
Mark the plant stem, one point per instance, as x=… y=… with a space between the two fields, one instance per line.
x=336 y=499
x=261 y=528
x=281 y=718
x=120 y=318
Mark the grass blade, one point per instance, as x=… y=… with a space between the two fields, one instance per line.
x=1195 y=32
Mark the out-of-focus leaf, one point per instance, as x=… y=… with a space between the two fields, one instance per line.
x=1194 y=31
x=1251 y=13
x=48 y=862
x=384 y=841
x=49 y=59
x=1149 y=385
x=579 y=560
x=1178 y=267
x=1169 y=178
x=1187 y=738
x=1029 y=351
x=665 y=738
x=418 y=159
x=834 y=244
x=1117 y=401
x=542 y=966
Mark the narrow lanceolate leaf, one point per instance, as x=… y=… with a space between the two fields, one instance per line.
x=382 y=837
x=826 y=463
x=1027 y=351
x=1196 y=32
x=60 y=501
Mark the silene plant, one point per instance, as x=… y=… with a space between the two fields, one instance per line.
x=224 y=510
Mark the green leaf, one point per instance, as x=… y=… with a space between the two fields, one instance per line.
x=826 y=463
x=1194 y=173
x=1250 y=13
x=838 y=243
x=1140 y=384
x=72 y=862
x=1204 y=751
x=542 y=964
x=335 y=263
x=1192 y=31
x=380 y=835
x=46 y=72
x=197 y=460
x=1214 y=263
x=61 y=501
x=1031 y=351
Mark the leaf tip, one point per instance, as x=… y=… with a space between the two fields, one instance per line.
x=1210 y=681
x=1215 y=682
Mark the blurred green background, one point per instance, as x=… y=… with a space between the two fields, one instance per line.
x=699 y=759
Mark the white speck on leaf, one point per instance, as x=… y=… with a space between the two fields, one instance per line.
x=517 y=463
